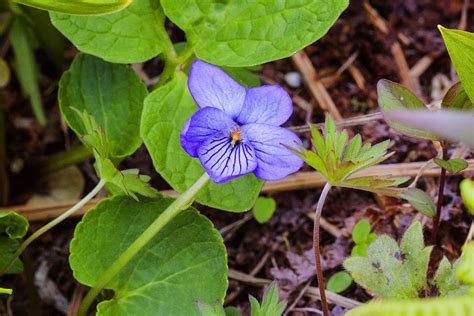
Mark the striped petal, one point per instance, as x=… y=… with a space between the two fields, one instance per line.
x=223 y=161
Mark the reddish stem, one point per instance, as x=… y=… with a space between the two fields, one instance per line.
x=317 y=251
x=439 y=206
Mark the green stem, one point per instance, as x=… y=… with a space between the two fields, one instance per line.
x=53 y=223
x=64 y=159
x=180 y=204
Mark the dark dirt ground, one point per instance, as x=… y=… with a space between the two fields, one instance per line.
x=285 y=240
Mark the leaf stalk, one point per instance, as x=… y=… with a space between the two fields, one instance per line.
x=439 y=205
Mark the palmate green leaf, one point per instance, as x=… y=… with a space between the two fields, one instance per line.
x=166 y=111
x=270 y=303
x=25 y=67
x=183 y=264
x=394 y=97
x=452 y=165
x=113 y=94
x=460 y=46
x=132 y=35
x=452 y=306
x=249 y=32
x=456 y=98
x=391 y=271
x=78 y=7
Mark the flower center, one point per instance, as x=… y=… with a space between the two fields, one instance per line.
x=235 y=136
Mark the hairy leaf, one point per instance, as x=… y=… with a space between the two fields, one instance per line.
x=183 y=264
x=113 y=94
x=166 y=111
x=244 y=33
x=132 y=35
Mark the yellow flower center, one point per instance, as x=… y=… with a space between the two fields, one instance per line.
x=235 y=135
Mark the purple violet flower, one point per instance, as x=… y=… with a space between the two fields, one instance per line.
x=237 y=131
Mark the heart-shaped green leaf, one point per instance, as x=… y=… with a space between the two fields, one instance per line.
x=263 y=209
x=166 y=111
x=244 y=33
x=452 y=165
x=421 y=201
x=456 y=98
x=395 y=97
x=460 y=46
x=79 y=7
x=183 y=264
x=132 y=35
x=112 y=93
x=12 y=227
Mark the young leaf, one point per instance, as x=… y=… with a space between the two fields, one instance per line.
x=263 y=209
x=456 y=98
x=77 y=7
x=25 y=67
x=13 y=225
x=460 y=46
x=245 y=33
x=394 y=97
x=184 y=263
x=6 y=291
x=467 y=193
x=113 y=94
x=359 y=250
x=465 y=271
x=361 y=231
x=166 y=111
x=446 y=280
x=132 y=35
x=270 y=304
x=452 y=165
x=421 y=201
x=339 y=282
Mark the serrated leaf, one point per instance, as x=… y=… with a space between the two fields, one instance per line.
x=263 y=209
x=446 y=280
x=452 y=165
x=13 y=225
x=25 y=67
x=132 y=35
x=460 y=46
x=339 y=282
x=456 y=98
x=394 y=97
x=467 y=193
x=421 y=201
x=184 y=263
x=166 y=111
x=353 y=148
x=113 y=94
x=244 y=33
x=78 y=7
x=361 y=231
x=270 y=304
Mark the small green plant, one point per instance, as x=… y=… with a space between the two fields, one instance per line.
x=339 y=282
x=362 y=237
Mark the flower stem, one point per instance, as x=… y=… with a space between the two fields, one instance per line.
x=317 y=251
x=53 y=223
x=439 y=206
x=180 y=204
